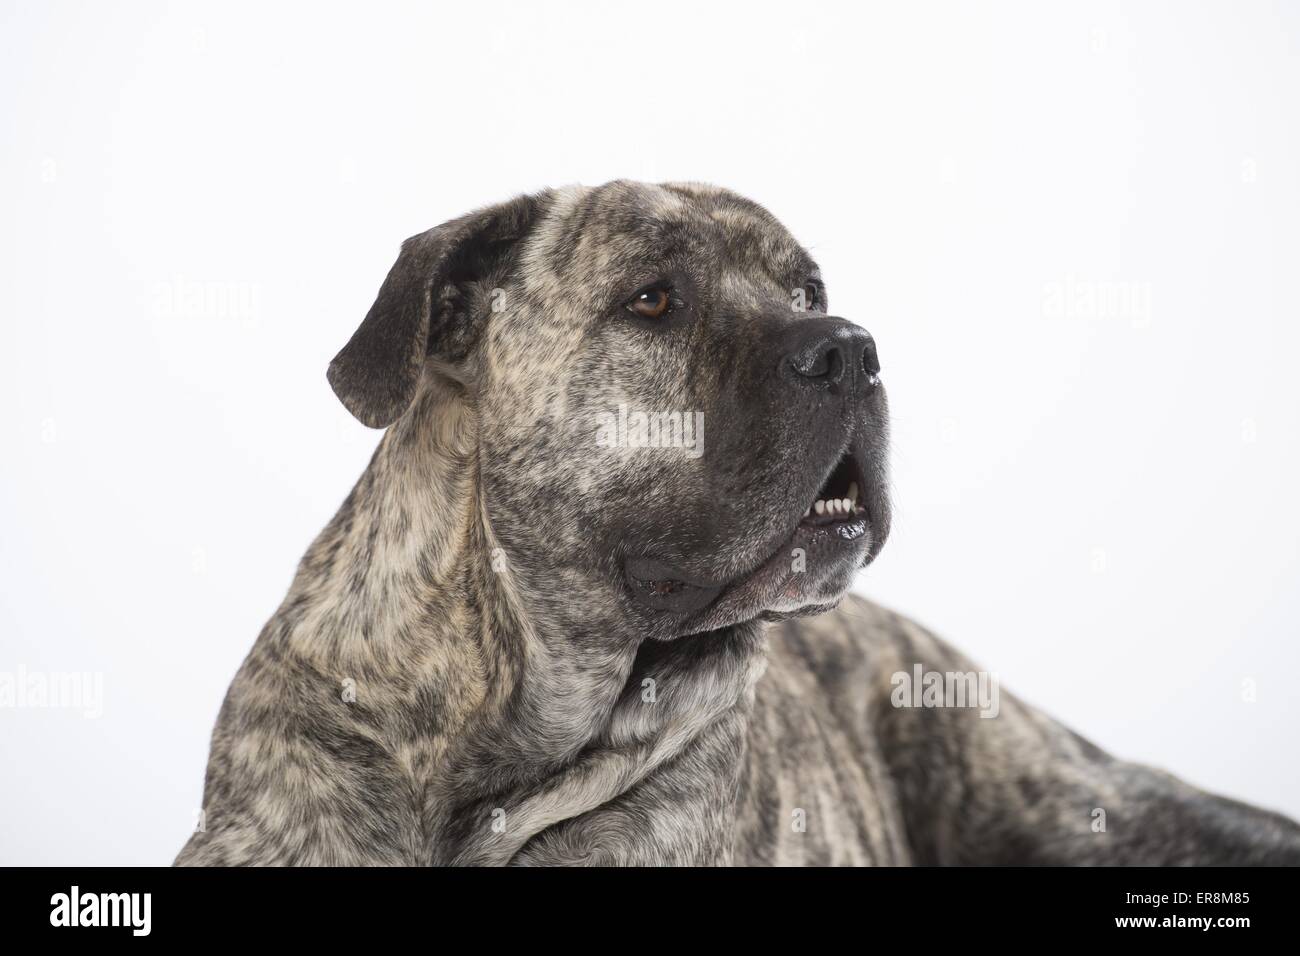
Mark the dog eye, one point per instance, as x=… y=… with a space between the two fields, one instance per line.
x=652 y=303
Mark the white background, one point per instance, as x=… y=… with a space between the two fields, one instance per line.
x=1096 y=497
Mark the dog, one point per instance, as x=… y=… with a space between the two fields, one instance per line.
x=588 y=602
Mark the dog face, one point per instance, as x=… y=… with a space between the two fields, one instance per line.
x=671 y=429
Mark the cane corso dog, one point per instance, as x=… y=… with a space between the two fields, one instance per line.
x=588 y=603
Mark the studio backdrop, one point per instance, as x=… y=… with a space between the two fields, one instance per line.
x=1072 y=230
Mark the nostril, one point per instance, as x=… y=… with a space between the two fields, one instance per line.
x=870 y=361
x=820 y=363
x=834 y=362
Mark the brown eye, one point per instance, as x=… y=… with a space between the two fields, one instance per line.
x=650 y=303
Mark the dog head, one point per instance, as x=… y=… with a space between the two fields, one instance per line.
x=669 y=424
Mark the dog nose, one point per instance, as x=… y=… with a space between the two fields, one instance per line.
x=831 y=354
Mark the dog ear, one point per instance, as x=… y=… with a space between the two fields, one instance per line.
x=420 y=309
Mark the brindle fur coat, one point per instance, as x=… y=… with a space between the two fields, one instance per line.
x=515 y=645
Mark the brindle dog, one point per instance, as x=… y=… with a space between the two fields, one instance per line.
x=537 y=632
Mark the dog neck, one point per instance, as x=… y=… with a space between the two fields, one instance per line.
x=405 y=594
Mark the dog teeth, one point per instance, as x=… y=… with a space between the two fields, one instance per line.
x=835 y=506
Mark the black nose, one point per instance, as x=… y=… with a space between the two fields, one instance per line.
x=831 y=354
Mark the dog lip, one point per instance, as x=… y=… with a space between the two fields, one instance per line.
x=850 y=527
x=662 y=587
x=645 y=568
x=859 y=513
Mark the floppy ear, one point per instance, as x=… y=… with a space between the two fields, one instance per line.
x=420 y=309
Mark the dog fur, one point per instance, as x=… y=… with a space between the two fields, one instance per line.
x=511 y=646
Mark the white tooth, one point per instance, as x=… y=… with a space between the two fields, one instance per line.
x=848 y=505
x=853 y=492
x=820 y=506
x=834 y=505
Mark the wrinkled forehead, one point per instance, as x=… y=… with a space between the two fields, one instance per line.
x=603 y=240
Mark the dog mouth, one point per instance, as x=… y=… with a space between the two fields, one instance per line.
x=839 y=501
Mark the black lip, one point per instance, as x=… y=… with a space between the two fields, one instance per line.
x=662 y=588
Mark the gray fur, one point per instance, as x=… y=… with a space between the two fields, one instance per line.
x=459 y=671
